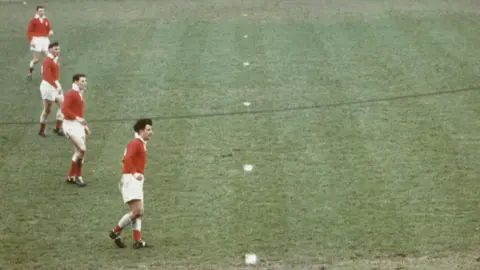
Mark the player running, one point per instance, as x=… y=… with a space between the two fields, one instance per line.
x=131 y=184
x=38 y=31
x=75 y=127
x=50 y=89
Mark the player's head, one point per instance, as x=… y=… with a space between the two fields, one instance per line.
x=40 y=11
x=143 y=127
x=54 y=48
x=80 y=80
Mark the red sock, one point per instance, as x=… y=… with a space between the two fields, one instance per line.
x=78 y=165
x=42 y=126
x=117 y=228
x=73 y=169
x=58 y=124
x=136 y=235
x=30 y=70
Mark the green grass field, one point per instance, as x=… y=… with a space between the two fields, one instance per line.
x=363 y=129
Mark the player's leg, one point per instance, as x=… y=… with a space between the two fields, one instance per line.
x=38 y=48
x=59 y=116
x=132 y=192
x=137 y=207
x=47 y=107
x=33 y=62
x=127 y=219
x=72 y=172
x=79 y=144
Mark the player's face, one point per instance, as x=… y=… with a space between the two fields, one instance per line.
x=82 y=83
x=147 y=133
x=55 y=51
x=41 y=12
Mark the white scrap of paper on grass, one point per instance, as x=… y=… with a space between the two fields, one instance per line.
x=248 y=167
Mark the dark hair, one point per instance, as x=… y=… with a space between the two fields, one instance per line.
x=142 y=124
x=39 y=7
x=53 y=44
x=78 y=76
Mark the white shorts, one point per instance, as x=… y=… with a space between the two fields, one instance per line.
x=41 y=44
x=73 y=128
x=48 y=92
x=131 y=188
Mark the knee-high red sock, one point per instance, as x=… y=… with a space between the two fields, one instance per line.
x=73 y=169
x=78 y=166
x=136 y=229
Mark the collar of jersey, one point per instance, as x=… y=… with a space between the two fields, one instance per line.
x=53 y=57
x=38 y=17
x=137 y=136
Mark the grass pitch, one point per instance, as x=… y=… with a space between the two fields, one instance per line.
x=363 y=129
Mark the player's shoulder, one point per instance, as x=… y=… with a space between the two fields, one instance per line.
x=134 y=142
x=70 y=93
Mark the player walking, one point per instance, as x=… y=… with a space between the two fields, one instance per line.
x=38 y=31
x=75 y=126
x=50 y=89
x=131 y=184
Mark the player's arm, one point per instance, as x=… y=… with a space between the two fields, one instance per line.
x=128 y=157
x=67 y=106
x=49 y=28
x=70 y=101
x=30 y=30
x=48 y=75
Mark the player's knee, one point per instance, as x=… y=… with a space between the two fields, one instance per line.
x=47 y=110
x=137 y=213
x=81 y=153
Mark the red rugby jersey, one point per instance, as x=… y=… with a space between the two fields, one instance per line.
x=73 y=104
x=135 y=156
x=51 y=70
x=38 y=27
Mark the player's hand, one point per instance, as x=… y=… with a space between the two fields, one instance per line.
x=87 y=131
x=50 y=33
x=82 y=121
x=32 y=44
x=138 y=176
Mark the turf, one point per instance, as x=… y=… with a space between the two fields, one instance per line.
x=363 y=131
